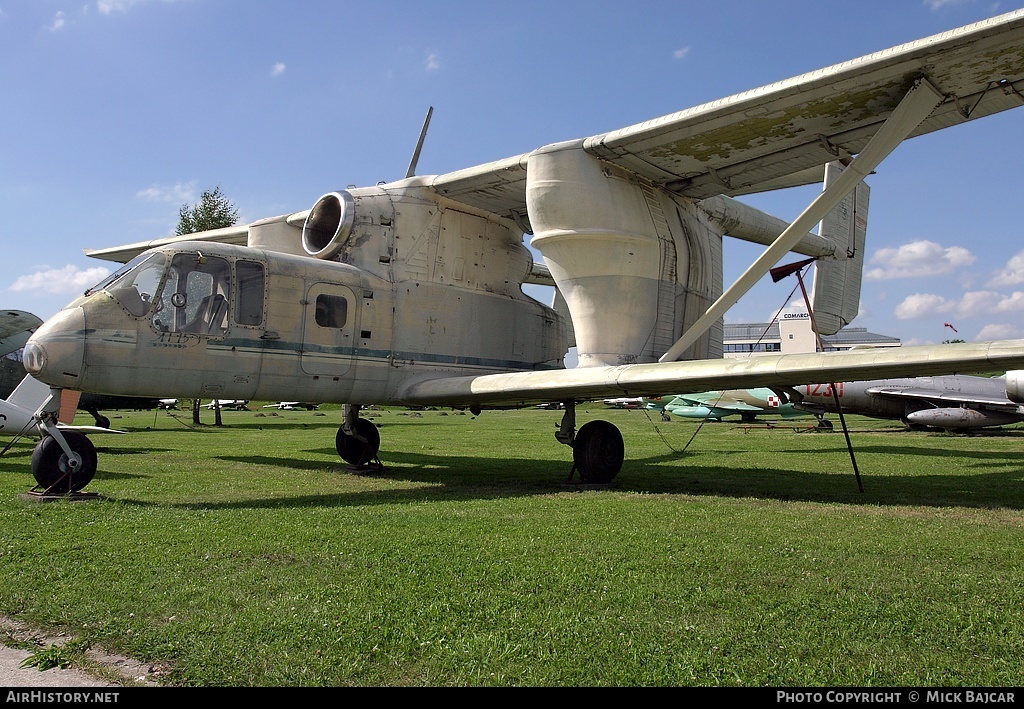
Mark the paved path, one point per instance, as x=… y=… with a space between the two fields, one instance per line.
x=12 y=674
x=116 y=671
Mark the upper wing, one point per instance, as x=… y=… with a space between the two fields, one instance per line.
x=16 y=326
x=517 y=389
x=768 y=138
x=779 y=135
x=237 y=234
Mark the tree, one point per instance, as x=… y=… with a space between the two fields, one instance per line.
x=213 y=211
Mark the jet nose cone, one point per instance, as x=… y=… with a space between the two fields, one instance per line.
x=55 y=353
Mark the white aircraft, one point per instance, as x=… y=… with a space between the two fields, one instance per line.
x=409 y=293
x=19 y=417
x=18 y=409
x=292 y=405
x=234 y=404
x=625 y=402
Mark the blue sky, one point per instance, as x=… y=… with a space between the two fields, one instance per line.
x=115 y=113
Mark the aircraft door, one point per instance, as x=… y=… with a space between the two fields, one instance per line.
x=328 y=333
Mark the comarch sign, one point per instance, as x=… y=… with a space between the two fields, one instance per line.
x=796 y=316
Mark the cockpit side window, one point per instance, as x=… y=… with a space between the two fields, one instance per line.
x=195 y=296
x=135 y=287
x=249 y=298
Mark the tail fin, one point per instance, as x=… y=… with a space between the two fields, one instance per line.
x=836 y=291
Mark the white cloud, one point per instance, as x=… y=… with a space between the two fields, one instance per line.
x=680 y=53
x=68 y=279
x=998 y=331
x=971 y=304
x=978 y=302
x=922 y=305
x=1012 y=274
x=58 y=21
x=935 y=5
x=277 y=69
x=108 y=6
x=179 y=193
x=433 y=62
x=918 y=259
x=1014 y=303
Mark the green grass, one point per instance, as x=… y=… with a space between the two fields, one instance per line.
x=247 y=555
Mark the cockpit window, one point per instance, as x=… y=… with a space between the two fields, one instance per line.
x=117 y=274
x=135 y=285
x=195 y=297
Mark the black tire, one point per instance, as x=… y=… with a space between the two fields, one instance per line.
x=354 y=451
x=102 y=421
x=825 y=425
x=598 y=452
x=50 y=464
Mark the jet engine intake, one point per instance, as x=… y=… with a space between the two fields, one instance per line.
x=1015 y=386
x=329 y=224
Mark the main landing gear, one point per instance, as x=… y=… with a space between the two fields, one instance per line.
x=358 y=441
x=597 y=448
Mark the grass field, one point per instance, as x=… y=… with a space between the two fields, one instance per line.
x=247 y=555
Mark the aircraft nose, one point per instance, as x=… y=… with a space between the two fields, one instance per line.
x=55 y=352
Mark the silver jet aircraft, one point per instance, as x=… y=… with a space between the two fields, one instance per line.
x=952 y=402
x=410 y=292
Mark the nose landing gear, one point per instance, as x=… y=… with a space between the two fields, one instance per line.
x=63 y=463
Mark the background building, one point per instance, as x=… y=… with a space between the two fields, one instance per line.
x=791 y=333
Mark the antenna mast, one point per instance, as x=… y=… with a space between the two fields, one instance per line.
x=419 y=144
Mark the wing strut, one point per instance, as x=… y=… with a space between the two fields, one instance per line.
x=778 y=274
x=919 y=102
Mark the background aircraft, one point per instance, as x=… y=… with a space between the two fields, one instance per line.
x=18 y=418
x=748 y=404
x=951 y=402
x=625 y=402
x=234 y=404
x=16 y=326
x=410 y=292
x=19 y=408
x=292 y=405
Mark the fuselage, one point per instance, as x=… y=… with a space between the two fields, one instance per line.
x=746 y=403
x=214 y=320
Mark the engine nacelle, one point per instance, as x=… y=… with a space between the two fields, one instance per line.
x=329 y=225
x=633 y=264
